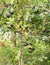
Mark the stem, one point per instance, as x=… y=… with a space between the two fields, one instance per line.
x=21 y=62
x=13 y=38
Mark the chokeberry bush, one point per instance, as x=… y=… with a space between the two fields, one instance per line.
x=24 y=32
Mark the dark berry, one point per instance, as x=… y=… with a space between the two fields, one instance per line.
x=32 y=6
x=11 y=11
x=36 y=10
x=5 y=23
x=25 y=44
x=31 y=50
x=20 y=26
x=6 y=5
x=11 y=25
x=30 y=44
x=7 y=14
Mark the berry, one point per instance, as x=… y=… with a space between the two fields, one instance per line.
x=5 y=23
x=31 y=50
x=30 y=44
x=25 y=44
x=11 y=25
x=7 y=14
x=36 y=10
x=12 y=11
x=6 y=5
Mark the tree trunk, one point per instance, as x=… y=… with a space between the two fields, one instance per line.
x=13 y=38
x=21 y=62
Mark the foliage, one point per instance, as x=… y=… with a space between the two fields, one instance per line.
x=28 y=22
